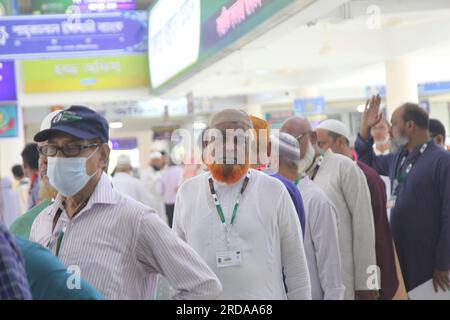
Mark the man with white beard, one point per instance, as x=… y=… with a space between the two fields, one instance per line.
x=345 y=185
x=380 y=133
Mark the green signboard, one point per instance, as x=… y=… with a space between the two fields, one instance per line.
x=85 y=74
x=51 y=6
x=200 y=30
x=5 y=7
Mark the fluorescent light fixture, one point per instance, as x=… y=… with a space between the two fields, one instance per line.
x=116 y=125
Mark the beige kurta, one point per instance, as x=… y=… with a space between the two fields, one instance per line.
x=346 y=186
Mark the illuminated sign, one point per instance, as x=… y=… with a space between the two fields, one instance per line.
x=185 y=35
x=85 y=74
x=174 y=38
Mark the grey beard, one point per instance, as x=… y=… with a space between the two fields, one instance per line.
x=308 y=159
x=398 y=144
x=381 y=142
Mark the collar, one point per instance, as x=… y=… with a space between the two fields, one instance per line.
x=103 y=194
x=416 y=149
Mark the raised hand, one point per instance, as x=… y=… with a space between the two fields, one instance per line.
x=371 y=116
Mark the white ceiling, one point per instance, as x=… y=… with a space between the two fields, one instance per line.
x=328 y=45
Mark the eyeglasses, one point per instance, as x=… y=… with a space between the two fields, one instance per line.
x=69 y=150
x=299 y=137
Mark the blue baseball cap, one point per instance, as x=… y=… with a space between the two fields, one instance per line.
x=78 y=121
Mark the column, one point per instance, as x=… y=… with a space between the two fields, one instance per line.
x=401 y=84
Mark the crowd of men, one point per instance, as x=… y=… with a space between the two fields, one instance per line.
x=310 y=217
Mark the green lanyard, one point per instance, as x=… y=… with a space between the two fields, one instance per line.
x=299 y=178
x=401 y=177
x=236 y=205
x=58 y=243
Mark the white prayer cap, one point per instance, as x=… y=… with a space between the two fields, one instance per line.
x=335 y=126
x=287 y=146
x=155 y=155
x=230 y=115
x=46 y=123
x=123 y=161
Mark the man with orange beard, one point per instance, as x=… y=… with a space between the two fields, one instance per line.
x=242 y=222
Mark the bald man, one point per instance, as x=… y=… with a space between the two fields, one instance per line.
x=346 y=187
x=420 y=177
x=241 y=221
x=336 y=135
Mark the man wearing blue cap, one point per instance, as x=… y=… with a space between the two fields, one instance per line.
x=115 y=243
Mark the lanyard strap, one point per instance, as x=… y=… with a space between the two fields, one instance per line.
x=299 y=178
x=317 y=167
x=236 y=205
x=399 y=177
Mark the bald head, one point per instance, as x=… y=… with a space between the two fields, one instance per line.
x=300 y=128
x=296 y=126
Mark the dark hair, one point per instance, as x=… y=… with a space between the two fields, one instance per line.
x=30 y=156
x=436 y=127
x=413 y=112
x=17 y=171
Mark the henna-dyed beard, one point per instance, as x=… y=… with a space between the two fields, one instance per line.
x=228 y=173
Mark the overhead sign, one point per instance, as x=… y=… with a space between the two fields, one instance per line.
x=434 y=87
x=315 y=105
x=7 y=81
x=422 y=88
x=5 y=7
x=275 y=119
x=174 y=33
x=200 y=30
x=8 y=121
x=124 y=143
x=58 y=35
x=85 y=74
x=154 y=108
x=67 y=6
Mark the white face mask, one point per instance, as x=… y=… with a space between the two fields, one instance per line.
x=68 y=175
x=308 y=159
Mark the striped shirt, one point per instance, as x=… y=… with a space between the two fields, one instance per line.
x=13 y=279
x=119 y=246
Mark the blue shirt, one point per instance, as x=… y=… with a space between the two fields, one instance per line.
x=13 y=280
x=48 y=277
x=420 y=220
x=296 y=198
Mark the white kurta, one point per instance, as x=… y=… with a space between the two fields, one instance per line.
x=132 y=187
x=321 y=243
x=150 y=178
x=9 y=202
x=346 y=186
x=266 y=230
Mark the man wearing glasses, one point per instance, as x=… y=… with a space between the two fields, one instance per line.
x=345 y=185
x=115 y=243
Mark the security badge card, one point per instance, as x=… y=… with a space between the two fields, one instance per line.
x=230 y=258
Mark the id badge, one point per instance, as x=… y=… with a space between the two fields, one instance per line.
x=229 y=258
x=391 y=202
